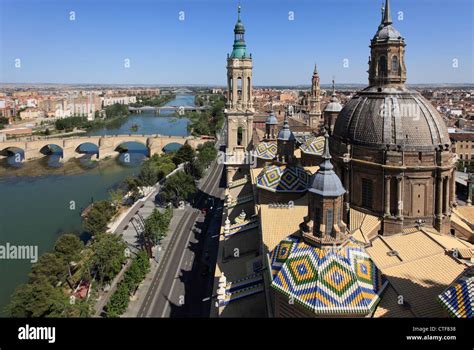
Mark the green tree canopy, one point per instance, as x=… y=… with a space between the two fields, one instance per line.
x=185 y=154
x=69 y=246
x=108 y=256
x=37 y=300
x=98 y=217
x=206 y=153
x=51 y=267
x=178 y=187
x=116 y=110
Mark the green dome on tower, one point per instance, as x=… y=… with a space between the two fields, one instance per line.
x=239 y=48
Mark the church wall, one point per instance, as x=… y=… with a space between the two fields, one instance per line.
x=372 y=173
x=240 y=244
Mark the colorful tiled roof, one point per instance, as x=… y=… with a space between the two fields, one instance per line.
x=327 y=280
x=458 y=298
x=265 y=150
x=313 y=145
x=283 y=179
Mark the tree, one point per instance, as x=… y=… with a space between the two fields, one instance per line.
x=119 y=301
x=116 y=196
x=185 y=154
x=195 y=169
x=157 y=224
x=133 y=185
x=133 y=276
x=143 y=263
x=206 y=153
x=97 y=218
x=151 y=231
x=108 y=256
x=69 y=247
x=156 y=168
x=51 y=268
x=178 y=187
x=116 y=110
x=37 y=300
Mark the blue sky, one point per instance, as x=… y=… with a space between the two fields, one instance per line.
x=164 y=50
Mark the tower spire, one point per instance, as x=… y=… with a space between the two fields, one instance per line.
x=387 y=19
x=326 y=155
x=333 y=96
x=315 y=69
x=239 y=48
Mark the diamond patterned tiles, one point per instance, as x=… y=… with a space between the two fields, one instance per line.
x=314 y=146
x=283 y=179
x=327 y=280
x=458 y=298
x=265 y=150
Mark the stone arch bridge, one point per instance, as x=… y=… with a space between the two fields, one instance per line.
x=107 y=145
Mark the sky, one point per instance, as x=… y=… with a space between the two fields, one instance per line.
x=39 y=43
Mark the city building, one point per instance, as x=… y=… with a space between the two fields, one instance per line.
x=360 y=223
x=123 y=100
x=463 y=146
x=31 y=113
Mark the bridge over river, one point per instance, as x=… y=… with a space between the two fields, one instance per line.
x=179 y=109
x=106 y=145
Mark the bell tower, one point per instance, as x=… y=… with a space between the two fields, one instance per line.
x=239 y=110
x=239 y=106
x=387 y=54
x=315 y=101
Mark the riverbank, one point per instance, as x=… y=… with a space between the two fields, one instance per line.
x=43 y=202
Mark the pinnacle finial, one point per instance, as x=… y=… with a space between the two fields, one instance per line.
x=326 y=154
x=387 y=19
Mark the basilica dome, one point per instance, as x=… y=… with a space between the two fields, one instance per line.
x=391 y=116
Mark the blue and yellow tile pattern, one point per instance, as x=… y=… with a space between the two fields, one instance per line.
x=334 y=280
x=283 y=179
x=314 y=146
x=458 y=298
x=265 y=150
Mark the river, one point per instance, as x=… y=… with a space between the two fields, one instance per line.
x=35 y=210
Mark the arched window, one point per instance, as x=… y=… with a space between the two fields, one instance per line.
x=382 y=68
x=248 y=90
x=240 y=134
x=395 y=64
x=239 y=88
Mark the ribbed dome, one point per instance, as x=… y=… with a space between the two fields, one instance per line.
x=391 y=116
x=325 y=182
x=333 y=106
x=285 y=133
x=388 y=33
